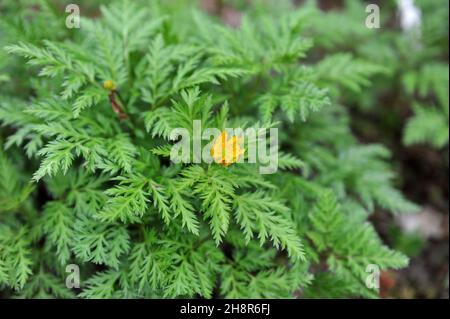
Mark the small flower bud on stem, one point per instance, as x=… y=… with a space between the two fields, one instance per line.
x=111 y=87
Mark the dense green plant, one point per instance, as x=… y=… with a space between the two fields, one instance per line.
x=416 y=71
x=85 y=177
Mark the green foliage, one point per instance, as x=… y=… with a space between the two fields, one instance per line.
x=349 y=72
x=351 y=246
x=428 y=125
x=414 y=69
x=85 y=177
x=16 y=258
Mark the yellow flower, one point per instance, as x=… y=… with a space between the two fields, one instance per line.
x=109 y=85
x=226 y=151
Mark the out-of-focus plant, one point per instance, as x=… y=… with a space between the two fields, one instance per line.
x=415 y=62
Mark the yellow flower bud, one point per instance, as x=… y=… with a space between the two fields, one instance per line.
x=109 y=85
